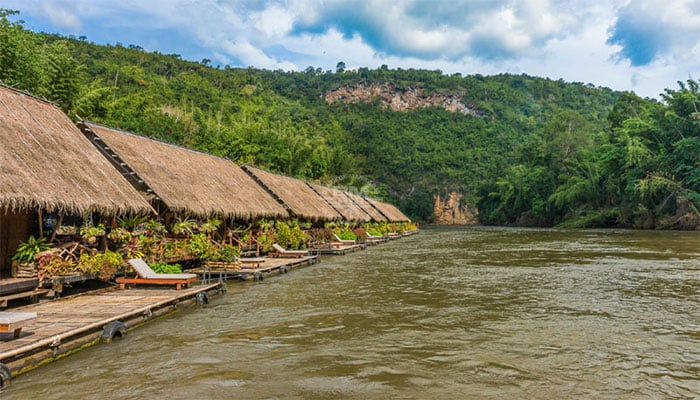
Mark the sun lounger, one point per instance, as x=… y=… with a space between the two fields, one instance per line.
x=343 y=241
x=282 y=252
x=374 y=238
x=15 y=321
x=148 y=277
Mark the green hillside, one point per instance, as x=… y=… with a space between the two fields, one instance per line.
x=532 y=151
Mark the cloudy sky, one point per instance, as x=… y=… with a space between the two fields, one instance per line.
x=639 y=45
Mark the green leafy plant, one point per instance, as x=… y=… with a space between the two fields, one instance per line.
x=26 y=251
x=103 y=265
x=175 y=248
x=162 y=267
x=146 y=245
x=227 y=253
x=54 y=265
x=119 y=235
x=154 y=228
x=183 y=226
x=210 y=226
x=201 y=247
x=131 y=222
x=88 y=231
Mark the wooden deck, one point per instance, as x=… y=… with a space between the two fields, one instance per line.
x=257 y=270
x=66 y=324
x=338 y=249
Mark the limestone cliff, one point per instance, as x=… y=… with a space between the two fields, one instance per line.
x=450 y=211
x=398 y=99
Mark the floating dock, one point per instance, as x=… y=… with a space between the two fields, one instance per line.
x=68 y=324
x=338 y=249
x=65 y=325
x=256 y=268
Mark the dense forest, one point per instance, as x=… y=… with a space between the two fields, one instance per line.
x=535 y=152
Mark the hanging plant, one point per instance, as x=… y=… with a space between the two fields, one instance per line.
x=119 y=235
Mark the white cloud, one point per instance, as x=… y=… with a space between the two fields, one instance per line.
x=61 y=16
x=551 y=38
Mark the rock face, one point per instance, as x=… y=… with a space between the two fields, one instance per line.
x=398 y=99
x=450 y=211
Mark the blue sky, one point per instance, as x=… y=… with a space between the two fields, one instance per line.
x=639 y=45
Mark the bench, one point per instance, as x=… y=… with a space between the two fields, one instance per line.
x=33 y=295
x=15 y=321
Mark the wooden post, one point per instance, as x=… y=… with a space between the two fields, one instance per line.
x=41 y=224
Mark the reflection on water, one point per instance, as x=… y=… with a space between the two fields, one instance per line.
x=450 y=313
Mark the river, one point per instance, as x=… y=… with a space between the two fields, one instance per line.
x=451 y=313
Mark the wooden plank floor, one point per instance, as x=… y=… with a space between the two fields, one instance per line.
x=61 y=317
x=268 y=266
x=339 y=249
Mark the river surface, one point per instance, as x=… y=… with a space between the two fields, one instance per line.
x=451 y=313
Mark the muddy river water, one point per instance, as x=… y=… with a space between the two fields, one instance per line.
x=451 y=313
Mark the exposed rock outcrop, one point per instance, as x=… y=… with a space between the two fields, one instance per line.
x=451 y=211
x=399 y=99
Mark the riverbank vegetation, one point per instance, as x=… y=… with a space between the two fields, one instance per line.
x=531 y=151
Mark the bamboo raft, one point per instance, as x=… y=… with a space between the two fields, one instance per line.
x=68 y=324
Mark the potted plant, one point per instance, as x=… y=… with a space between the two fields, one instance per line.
x=103 y=265
x=183 y=227
x=91 y=233
x=210 y=226
x=25 y=256
x=53 y=265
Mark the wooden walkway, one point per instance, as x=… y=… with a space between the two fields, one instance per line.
x=66 y=324
x=337 y=250
x=257 y=270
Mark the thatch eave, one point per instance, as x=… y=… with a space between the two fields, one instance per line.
x=295 y=194
x=45 y=162
x=190 y=182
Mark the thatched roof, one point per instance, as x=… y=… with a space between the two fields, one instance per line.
x=191 y=182
x=390 y=211
x=342 y=203
x=366 y=206
x=46 y=162
x=295 y=194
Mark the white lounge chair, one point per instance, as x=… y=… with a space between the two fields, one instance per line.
x=282 y=252
x=148 y=277
x=343 y=241
x=374 y=238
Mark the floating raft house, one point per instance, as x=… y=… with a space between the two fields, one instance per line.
x=390 y=211
x=298 y=197
x=343 y=204
x=185 y=181
x=47 y=164
x=376 y=215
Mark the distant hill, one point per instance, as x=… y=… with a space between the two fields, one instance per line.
x=516 y=149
